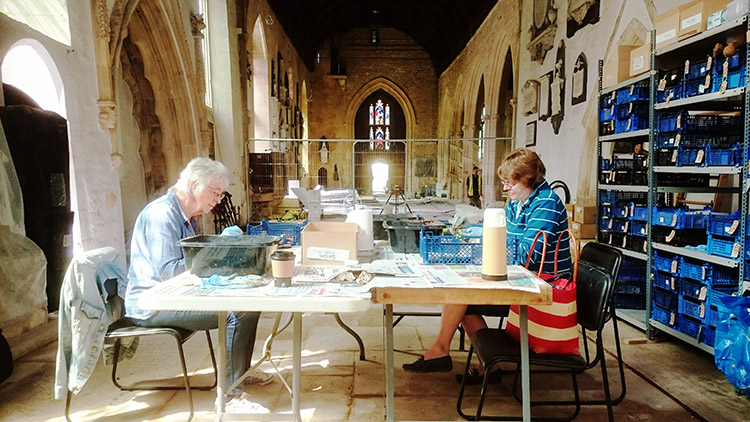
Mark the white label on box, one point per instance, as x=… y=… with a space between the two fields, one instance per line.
x=692 y=20
x=666 y=36
x=66 y=240
x=327 y=254
x=638 y=63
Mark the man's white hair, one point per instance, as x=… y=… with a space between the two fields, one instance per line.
x=201 y=171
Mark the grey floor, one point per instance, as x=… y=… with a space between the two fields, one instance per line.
x=667 y=380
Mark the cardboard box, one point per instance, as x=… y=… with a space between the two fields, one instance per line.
x=329 y=243
x=584 y=231
x=617 y=67
x=667 y=27
x=585 y=214
x=570 y=208
x=694 y=16
x=640 y=60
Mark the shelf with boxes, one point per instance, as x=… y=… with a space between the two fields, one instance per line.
x=622 y=191
x=698 y=144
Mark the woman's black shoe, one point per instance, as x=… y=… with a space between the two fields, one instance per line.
x=443 y=364
x=473 y=377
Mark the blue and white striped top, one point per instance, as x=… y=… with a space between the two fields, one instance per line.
x=543 y=210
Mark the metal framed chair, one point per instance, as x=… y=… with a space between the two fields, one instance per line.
x=595 y=289
x=123 y=328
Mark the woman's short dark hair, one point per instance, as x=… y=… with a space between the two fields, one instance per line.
x=522 y=165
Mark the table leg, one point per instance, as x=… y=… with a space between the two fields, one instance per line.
x=390 y=404
x=525 y=388
x=221 y=359
x=296 y=365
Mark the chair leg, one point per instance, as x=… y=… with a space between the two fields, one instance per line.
x=213 y=362
x=186 y=376
x=605 y=381
x=67 y=405
x=459 y=402
x=353 y=334
x=461 y=338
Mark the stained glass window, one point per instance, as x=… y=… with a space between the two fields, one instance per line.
x=380 y=121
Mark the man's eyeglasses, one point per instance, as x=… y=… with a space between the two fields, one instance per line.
x=217 y=192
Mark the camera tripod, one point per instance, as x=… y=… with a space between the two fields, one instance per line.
x=396 y=198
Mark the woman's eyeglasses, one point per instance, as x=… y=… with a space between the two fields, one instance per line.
x=216 y=192
x=508 y=184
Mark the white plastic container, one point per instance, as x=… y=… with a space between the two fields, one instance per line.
x=494 y=248
x=737 y=9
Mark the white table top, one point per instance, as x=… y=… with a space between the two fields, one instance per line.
x=181 y=293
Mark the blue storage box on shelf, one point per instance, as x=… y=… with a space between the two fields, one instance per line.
x=632 y=269
x=666 y=262
x=726 y=247
x=670 y=122
x=666 y=281
x=678 y=237
x=637 y=287
x=449 y=249
x=668 y=86
x=730 y=71
x=667 y=299
x=693 y=289
x=605 y=223
x=608 y=100
x=631 y=93
x=708 y=335
x=690 y=326
x=622 y=163
x=607 y=114
x=638 y=212
x=291 y=231
x=636 y=244
x=716 y=156
x=638 y=108
x=620 y=226
x=725 y=224
x=620 y=211
x=605 y=210
x=638 y=228
x=665 y=316
x=630 y=301
x=631 y=124
x=714 y=301
x=679 y=218
x=710 y=274
x=690 y=157
x=692 y=308
x=605 y=163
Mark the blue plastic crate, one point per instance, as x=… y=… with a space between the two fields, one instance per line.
x=670 y=93
x=671 y=122
x=714 y=297
x=638 y=228
x=630 y=301
x=291 y=231
x=690 y=157
x=607 y=114
x=632 y=269
x=665 y=298
x=605 y=223
x=667 y=264
x=726 y=247
x=620 y=211
x=666 y=281
x=692 y=308
x=638 y=108
x=608 y=100
x=679 y=218
x=449 y=249
x=620 y=226
x=724 y=156
x=724 y=224
x=710 y=274
x=665 y=316
x=689 y=326
x=632 y=93
x=697 y=86
x=668 y=85
x=622 y=164
x=638 y=212
x=708 y=335
x=632 y=123
x=693 y=289
x=605 y=210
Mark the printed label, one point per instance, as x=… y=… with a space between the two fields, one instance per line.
x=677 y=139
x=327 y=254
x=66 y=240
x=671 y=236
x=632 y=87
x=731 y=229
x=725 y=68
x=666 y=36
x=662 y=85
x=735 y=250
x=699 y=157
x=673 y=269
x=674 y=220
x=674 y=156
x=703 y=274
x=702 y=293
x=692 y=20
x=678 y=125
x=672 y=317
x=709 y=62
x=703 y=310
x=687 y=67
x=638 y=64
x=672 y=283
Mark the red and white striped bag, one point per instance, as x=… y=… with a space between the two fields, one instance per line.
x=553 y=329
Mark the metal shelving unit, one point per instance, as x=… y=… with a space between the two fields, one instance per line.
x=635 y=317
x=734 y=99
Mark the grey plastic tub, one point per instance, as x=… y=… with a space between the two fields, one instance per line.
x=210 y=254
x=404 y=234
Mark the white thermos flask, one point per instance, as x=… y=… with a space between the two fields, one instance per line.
x=494 y=249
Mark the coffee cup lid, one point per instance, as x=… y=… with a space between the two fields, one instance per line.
x=282 y=254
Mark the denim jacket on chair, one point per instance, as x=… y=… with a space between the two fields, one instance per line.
x=88 y=304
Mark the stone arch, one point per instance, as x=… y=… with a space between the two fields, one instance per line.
x=303 y=109
x=54 y=74
x=154 y=28
x=392 y=89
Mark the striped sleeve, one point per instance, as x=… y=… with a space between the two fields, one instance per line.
x=546 y=213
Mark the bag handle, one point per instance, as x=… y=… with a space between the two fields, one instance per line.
x=573 y=245
x=544 y=252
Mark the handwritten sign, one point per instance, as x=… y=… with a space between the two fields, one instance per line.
x=327 y=254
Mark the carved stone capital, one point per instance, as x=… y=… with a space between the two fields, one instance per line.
x=577 y=9
x=107 y=114
x=197 y=25
x=491 y=117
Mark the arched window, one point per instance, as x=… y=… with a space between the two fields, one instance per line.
x=380 y=126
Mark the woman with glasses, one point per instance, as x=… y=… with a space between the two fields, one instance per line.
x=155 y=257
x=532 y=207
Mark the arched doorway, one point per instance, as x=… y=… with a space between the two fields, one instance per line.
x=37 y=137
x=261 y=92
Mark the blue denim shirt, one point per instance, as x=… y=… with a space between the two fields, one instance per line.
x=154 y=254
x=88 y=304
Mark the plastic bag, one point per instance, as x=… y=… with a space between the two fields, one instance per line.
x=732 y=346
